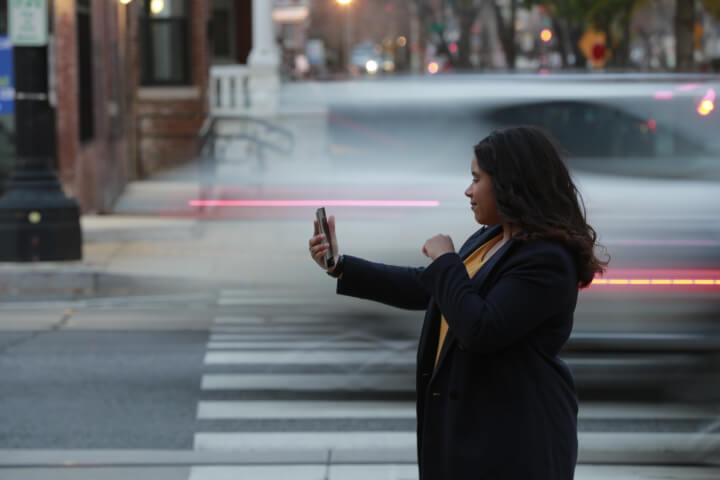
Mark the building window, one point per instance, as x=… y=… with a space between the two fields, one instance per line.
x=164 y=31
x=223 y=23
x=3 y=17
x=85 y=77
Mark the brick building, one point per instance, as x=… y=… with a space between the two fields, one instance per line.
x=130 y=90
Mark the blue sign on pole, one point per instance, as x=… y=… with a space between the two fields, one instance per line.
x=7 y=81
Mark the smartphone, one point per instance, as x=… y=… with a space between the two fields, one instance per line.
x=324 y=228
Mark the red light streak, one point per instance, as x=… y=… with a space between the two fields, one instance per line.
x=663 y=95
x=645 y=281
x=314 y=203
x=707 y=104
x=662 y=243
x=652 y=278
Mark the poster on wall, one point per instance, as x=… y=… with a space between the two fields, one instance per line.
x=7 y=84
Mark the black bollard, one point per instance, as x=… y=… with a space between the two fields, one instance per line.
x=38 y=222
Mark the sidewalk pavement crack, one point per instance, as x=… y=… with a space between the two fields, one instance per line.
x=59 y=325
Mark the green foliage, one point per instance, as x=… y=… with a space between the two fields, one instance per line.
x=590 y=11
x=713 y=7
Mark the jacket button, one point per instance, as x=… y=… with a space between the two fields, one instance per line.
x=461 y=348
x=453 y=395
x=435 y=394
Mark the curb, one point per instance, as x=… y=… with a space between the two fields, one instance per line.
x=48 y=277
x=84 y=279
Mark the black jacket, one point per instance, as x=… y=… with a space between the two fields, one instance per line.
x=500 y=404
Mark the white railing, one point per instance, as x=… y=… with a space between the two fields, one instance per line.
x=229 y=93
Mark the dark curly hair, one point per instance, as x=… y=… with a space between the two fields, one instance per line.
x=534 y=191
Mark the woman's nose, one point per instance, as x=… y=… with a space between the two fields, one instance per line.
x=468 y=193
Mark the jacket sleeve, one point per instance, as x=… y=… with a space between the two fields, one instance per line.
x=395 y=286
x=528 y=292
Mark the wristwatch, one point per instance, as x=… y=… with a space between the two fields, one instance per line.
x=338 y=267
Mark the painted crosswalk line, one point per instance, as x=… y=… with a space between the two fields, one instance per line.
x=259 y=472
x=310 y=382
x=303 y=345
x=298 y=409
x=387 y=357
x=304 y=440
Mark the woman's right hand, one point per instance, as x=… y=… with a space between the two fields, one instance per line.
x=319 y=244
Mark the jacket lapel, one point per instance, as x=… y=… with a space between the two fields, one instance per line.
x=485 y=234
x=432 y=315
x=477 y=281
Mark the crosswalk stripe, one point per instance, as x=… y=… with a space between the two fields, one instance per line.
x=298 y=329
x=315 y=357
x=258 y=472
x=269 y=301
x=295 y=409
x=246 y=320
x=619 y=410
x=268 y=293
x=305 y=440
x=283 y=337
x=279 y=320
x=301 y=345
x=315 y=382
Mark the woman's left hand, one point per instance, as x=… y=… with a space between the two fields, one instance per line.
x=438 y=245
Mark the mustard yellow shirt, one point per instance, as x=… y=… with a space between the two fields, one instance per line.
x=473 y=263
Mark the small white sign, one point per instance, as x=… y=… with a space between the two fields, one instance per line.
x=28 y=22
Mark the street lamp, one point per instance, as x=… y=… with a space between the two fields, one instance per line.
x=348 y=32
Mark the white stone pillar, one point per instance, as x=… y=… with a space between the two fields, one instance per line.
x=264 y=60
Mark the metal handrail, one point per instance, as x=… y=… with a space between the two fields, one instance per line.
x=206 y=133
x=208 y=136
x=287 y=134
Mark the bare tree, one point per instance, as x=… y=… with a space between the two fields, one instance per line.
x=684 y=25
x=506 y=31
x=467 y=11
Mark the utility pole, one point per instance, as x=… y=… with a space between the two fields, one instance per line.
x=37 y=221
x=346 y=5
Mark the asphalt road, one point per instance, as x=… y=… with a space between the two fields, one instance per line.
x=151 y=372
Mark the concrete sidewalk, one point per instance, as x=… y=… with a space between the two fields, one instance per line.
x=196 y=465
x=120 y=254
x=323 y=472
x=130 y=254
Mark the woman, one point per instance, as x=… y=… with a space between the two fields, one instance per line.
x=494 y=401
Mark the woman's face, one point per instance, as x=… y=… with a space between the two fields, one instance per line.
x=482 y=198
